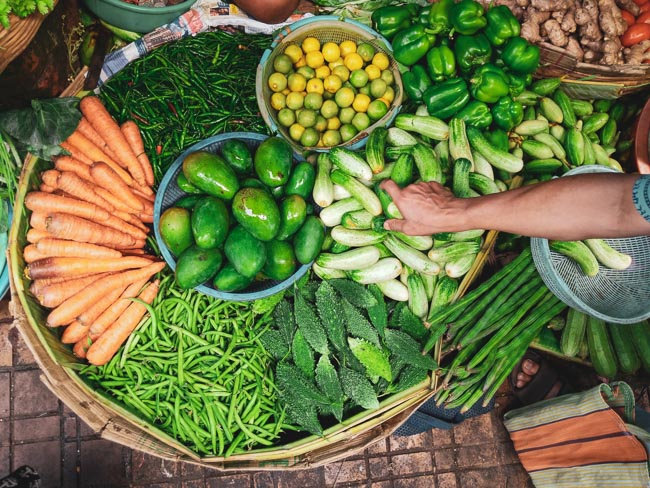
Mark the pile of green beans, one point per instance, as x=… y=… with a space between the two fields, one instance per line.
x=188 y=90
x=196 y=369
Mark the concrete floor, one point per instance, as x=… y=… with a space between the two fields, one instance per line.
x=38 y=429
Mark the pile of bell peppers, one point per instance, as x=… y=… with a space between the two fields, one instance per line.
x=461 y=60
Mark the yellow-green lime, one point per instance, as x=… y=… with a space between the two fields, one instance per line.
x=373 y=72
x=348 y=131
x=331 y=52
x=344 y=97
x=282 y=63
x=388 y=76
x=361 y=102
x=346 y=114
x=296 y=82
x=331 y=138
x=295 y=131
x=333 y=123
x=277 y=82
x=286 y=117
x=307 y=72
x=365 y=90
x=294 y=52
x=329 y=109
x=309 y=137
x=378 y=88
x=366 y=51
x=389 y=94
x=342 y=72
x=313 y=101
x=332 y=84
x=295 y=100
x=306 y=117
x=361 y=121
x=376 y=110
x=315 y=85
x=278 y=100
x=321 y=123
x=323 y=72
x=358 y=78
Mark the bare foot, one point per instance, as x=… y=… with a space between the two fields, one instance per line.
x=529 y=369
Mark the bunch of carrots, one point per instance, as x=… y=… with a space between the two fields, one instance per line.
x=86 y=256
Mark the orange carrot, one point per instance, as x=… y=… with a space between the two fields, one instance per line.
x=146 y=203
x=95 y=154
x=35 y=235
x=65 y=226
x=37 y=286
x=104 y=176
x=74 y=332
x=108 y=316
x=79 y=188
x=46 y=188
x=51 y=178
x=55 y=294
x=145 y=193
x=45 y=202
x=148 y=218
x=112 y=199
x=62 y=247
x=38 y=220
x=93 y=109
x=76 y=304
x=132 y=135
x=87 y=130
x=133 y=252
x=118 y=224
x=75 y=266
x=131 y=219
x=31 y=254
x=76 y=153
x=110 y=341
x=87 y=317
x=81 y=347
x=67 y=163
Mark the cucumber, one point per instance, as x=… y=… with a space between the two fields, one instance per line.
x=564 y=102
x=364 y=195
x=574 y=144
x=607 y=255
x=341 y=193
x=413 y=258
x=418 y=302
x=402 y=173
x=400 y=137
x=555 y=145
x=443 y=294
x=356 y=238
x=327 y=273
x=594 y=122
x=590 y=154
x=458 y=144
x=375 y=146
x=323 y=192
x=459 y=267
x=532 y=127
x=427 y=163
x=426 y=125
x=542 y=166
x=482 y=184
x=394 y=290
x=582 y=108
x=460 y=182
x=601 y=351
x=482 y=166
x=309 y=239
x=332 y=215
x=551 y=110
x=350 y=163
x=442 y=153
x=358 y=258
x=546 y=86
x=357 y=219
x=628 y=359
x=640 y=336
x=421 y=243
x=384 y=269
x=573 y=333
x=578 y=252
x=537 y=149
x=497 y=158
x=452 y=251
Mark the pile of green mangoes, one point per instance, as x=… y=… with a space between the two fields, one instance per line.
x=245 y=216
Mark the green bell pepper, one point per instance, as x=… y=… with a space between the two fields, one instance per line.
x=415 y=82
x=467 y=17
x=477 y=114
x=507 y=113
x=447 y=98
x=489 y=83
x=423 y=16
x=439 y=22
x=498 y=138
x=501 y=25
x=412 y=44
x=520 y=56
x=389 y=20
x=472 y=51
x=518 y=83
x=441 y=63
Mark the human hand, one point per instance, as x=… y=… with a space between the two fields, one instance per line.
x=426 y=207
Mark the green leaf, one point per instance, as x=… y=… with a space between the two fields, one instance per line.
x=304 y=415
x=358 y=325
x=310 y=325
x=408 y=350
x=356 y=293
x=358 y=388
x=41 y=128
x=373 y=358
x=263 y=305
x=377 y=313
x=409 y=377
x=289 y=378
x=412 y=324
x=274 y=343
x=303 y=355
x=284 y=321
x=328 y=304
x=328 y=381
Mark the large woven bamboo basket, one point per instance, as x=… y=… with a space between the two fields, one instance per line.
x=591 y=81
x=14 y=41
x=114 y=422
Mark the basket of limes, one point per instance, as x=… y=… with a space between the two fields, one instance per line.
x=326 y=82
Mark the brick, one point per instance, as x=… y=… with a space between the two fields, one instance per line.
x=4 y=461
x=482 y=478
x=5 y=394
x=408 y=442
x=70 y=428
x=4 y=432
x=263 y=479
x=152 y=485
x=477 y=456
x=417 y=462
x=382 y=484
x=191 y=471
x=44 y=457
x=506 y=453
x=85 y=431
x=379 y=467
x=71 y=464
x=22 y=355
x=445 y=459
x=378 y=447
x=476 y=430
x=441 y=438
x=419 y=482
x=152 y=468
x=31 y=396
x=6 y=349
x=193 y=484
x=102 y=460
x=345 y=471
x=234 y=481
x=447 y=480
x=300 y=478
x=37 y=429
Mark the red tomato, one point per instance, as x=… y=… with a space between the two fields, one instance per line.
x=635 y=34
x=644 y=18
x=645 y=7
x=628 y=17
x=640 y=2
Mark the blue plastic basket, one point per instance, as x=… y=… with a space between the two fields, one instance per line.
x=169 y=192
x=615 y=296
x=326 y=28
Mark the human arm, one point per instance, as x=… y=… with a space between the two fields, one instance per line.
x=268 y=11
x=571 y=208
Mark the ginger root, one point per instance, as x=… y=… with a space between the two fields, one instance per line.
x=555 y=33
x=610 y=19
x=638 y=53
x=573 y=48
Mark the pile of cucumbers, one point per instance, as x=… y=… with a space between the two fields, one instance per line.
x=245 y=216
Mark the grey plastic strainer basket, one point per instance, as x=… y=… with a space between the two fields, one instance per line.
x=615 y=296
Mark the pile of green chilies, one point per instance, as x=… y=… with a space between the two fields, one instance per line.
x=188 y=90
x=196 y=369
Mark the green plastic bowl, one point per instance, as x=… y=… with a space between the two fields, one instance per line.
x=136 y=18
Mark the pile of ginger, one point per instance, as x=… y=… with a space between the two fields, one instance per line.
x=589 y=30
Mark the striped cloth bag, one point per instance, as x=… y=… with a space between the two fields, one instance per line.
x=582 y=439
